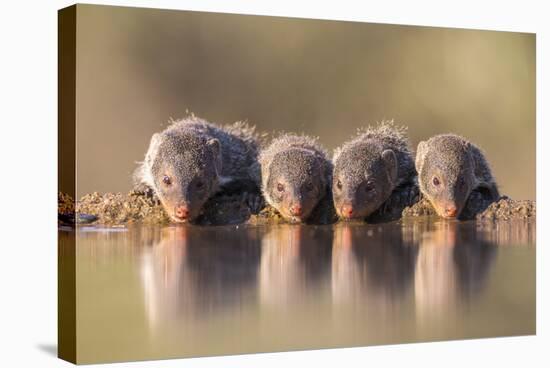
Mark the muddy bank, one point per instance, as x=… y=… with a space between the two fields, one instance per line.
x=143 y=206
x=223 y=209
x=508 y=209
x=118 y=208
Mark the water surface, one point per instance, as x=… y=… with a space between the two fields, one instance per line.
x=158 y=292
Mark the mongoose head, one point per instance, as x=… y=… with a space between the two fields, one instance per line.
x=446 y=173
x=184 y=172
x=295 y=183
x=364 y=177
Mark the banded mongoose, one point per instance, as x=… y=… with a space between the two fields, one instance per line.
x=192 y=159
x=369 y=168
x=449 y=169
x=295 y=175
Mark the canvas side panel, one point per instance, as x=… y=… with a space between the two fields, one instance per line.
x=66 y=329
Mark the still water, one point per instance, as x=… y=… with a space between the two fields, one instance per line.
x=160 y=292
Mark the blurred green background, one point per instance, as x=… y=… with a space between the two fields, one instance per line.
x=136 y=68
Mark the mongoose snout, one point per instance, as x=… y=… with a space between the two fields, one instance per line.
x=450 y=210
x=296 y=209
x=449 y=169
x=346 y=211
x=182 y=212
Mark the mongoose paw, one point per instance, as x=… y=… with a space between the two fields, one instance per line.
x=144 y=188
x=253 y=201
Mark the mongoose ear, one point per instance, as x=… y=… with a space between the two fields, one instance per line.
x=143 y=173
x=391 y=164
x=215 y=146
x=420 y=153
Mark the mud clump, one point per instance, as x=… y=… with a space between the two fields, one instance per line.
x=508 y=209
x=142 y=206
x=267 y=216
x=421 y=208
x=65 y=204
x=117 y=208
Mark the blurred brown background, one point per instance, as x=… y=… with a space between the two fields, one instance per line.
x=136 y=68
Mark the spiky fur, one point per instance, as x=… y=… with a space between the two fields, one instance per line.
x=239 y=143
x=385 y=135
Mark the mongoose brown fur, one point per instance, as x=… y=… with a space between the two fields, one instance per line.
x=295 y=175
x=192 y=159
x=449 y=169
x=369 y=168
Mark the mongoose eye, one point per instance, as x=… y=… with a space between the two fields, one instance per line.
x=339 y=184
x=309 y=187
x=280 y=187
x=199 y=185
x=166 y=180
x=436 y=181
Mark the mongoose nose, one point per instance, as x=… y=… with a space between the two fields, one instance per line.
x=296 y=210
x=450 y=211
x=347 y=210
x=182 y=212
